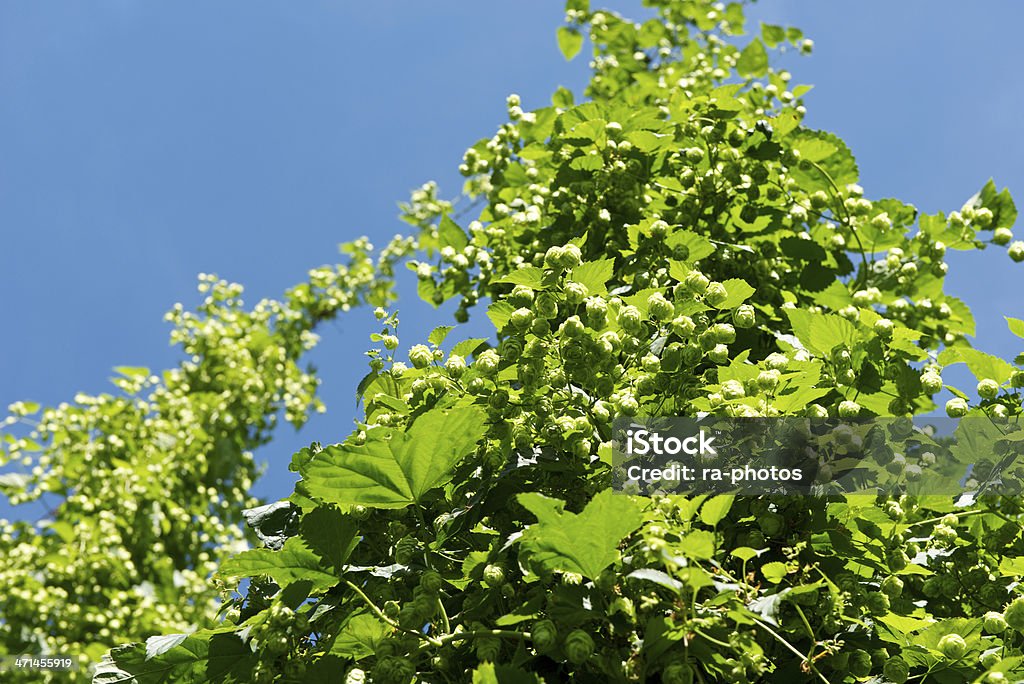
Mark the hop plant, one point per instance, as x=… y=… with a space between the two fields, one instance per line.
x=579 y=646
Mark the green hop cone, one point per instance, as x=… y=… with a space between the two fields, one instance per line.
x=877 y=603
x=744 y=316
x=521 y=295
x=723 y=333
x=393 y=670
x=1016 y=251
x=571 y=327
x=521 y=318
x=683 y=326
x=1002 y=236
x=494 y=576
x=544 y=635
x=660 y=308
x=579 y=646
x=859 y=663
x=1014 y=614
x=957 y=407
x=431 y=582
x=629 y=319
x=897 y=560
x=931 y=383
x=883 y=328
x=953 y=646
x=849 y=409
x=421 y=356
x=716 y=294
x=988 y=389
x=677 y=673
x=994 y=622
x=575 y=293
x=892 y=586
x=697 y=282
x=896 y=670
x=546 y=305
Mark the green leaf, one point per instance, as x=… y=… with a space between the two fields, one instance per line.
x=699 y=545
x=294 y=562
x=438 y=334
x=562 y=98
x=200 y=657
x=738 y=291
x=753 y=60
x=394 y=469
x=821 y=333
x=468 y=346
x=570 y=41
x=744 y=553
x=982 y=365
x=658 y=577
x=594 y=274
x=1016 y=326
x=774 y=572
x=1004 y=211
x=133 y=372
x=697 y=245
x=330 y=534
x=531 y=276
x=715 y=509
x=773 y=35
x=822 y=152
x=359 y=636
x=499 y=313
x=585 y=543
x=450 y=234
x=491 y=673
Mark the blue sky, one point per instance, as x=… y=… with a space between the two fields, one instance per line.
x=143 y=143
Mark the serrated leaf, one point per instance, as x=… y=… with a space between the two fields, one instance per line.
x=773 y=35
x=715 y=509
x=294 y=562
x=158 y=645
x=468 y=346
x=738 y=291
x=330 y=534
x=450 y=234
x=698 y=246
x=531 y=276
x=699 y=545
x=1016 y=326
x=200 y=657
x=438 y=334
x=585 y=543
x=594 y=274
x=499 y=313
x=570 y=41
x=982 y=365
x=753 y=60
x=359 y=636
x=821 y=333
x=394 y=469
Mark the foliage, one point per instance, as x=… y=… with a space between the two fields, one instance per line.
x=678 y=243
x=144 y=489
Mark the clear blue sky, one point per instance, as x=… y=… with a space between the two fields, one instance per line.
x=143 y=143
